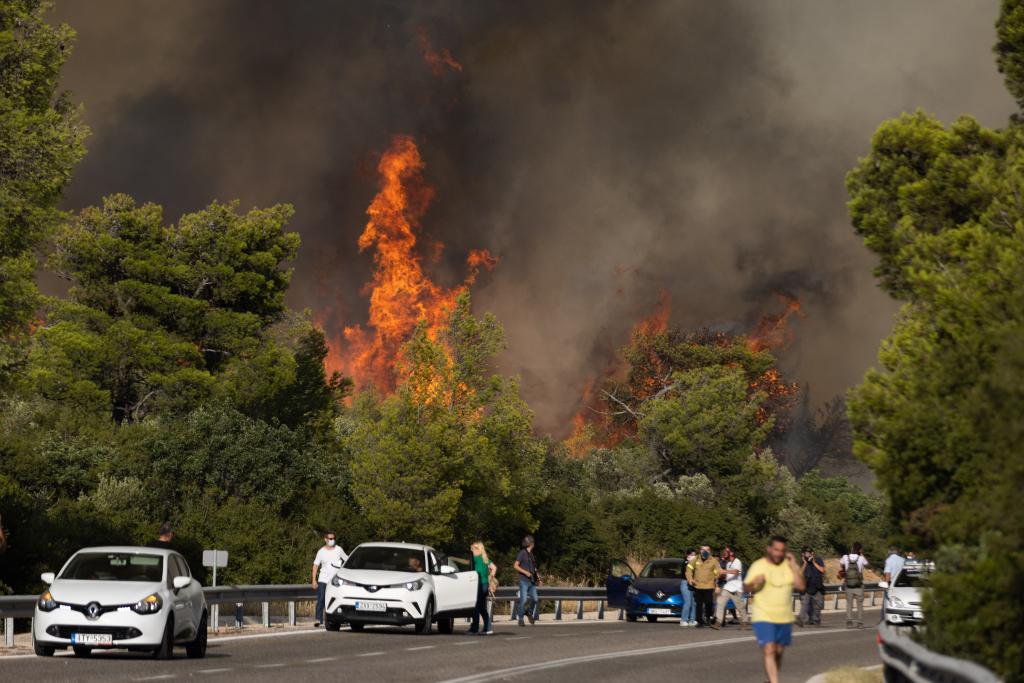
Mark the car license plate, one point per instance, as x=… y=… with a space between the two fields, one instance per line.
x=92 y=639
x=659 y=610
x=371 y=606
x=919 y=615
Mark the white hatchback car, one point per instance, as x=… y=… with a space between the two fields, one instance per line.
x=398 y=584
x=902 y=605
x=121 y=597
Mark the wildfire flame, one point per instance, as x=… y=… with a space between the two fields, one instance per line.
x=438 y=61
x=772 y=331
x=401 y=293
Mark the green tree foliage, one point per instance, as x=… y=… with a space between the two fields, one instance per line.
x=940 y=420
x=707 y=422
x=162 y=318
x=41 y=139
x=451 y=453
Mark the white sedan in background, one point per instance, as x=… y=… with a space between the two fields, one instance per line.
x=121 y=597
x=398 y=584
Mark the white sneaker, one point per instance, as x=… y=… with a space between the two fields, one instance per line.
x=693 y=623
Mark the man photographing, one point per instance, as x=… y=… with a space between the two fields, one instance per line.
x=326 y=556
x=771 y=581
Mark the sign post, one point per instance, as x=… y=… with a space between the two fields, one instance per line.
x=215 y=558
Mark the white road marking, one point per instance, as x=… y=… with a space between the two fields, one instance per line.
x=269 y=666
x=227 y=639
x=421 y=647
x=161 y=677
x=370 y=654
x=212 y=671
x=515 y=638
x=321 y=659
x=469 y=642
x=569 y=661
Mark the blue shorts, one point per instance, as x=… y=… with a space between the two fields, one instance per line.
x=767 y=632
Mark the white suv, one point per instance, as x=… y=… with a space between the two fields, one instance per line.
x=398 y=584
x=121 y=597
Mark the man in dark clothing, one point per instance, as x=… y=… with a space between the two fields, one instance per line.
x=165 y=537
x=813 y=599
x=526 y=566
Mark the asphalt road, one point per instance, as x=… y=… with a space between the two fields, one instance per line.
x=550 y=651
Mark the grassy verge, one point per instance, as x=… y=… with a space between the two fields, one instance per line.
x=852 y=674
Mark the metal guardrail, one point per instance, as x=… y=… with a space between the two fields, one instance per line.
x=907 y=661
x=22 y=606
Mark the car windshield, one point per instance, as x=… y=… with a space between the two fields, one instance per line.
x=911 y=580
x=664 y=569
x=115 y=567
x=384 y=558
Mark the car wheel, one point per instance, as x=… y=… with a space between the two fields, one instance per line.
x=446 y=625
x=82 y=651
x=358 y=628
x=651 y=619
x=630 y=617
x=42 y=650
x=332 y=625
x=197 y=648
x=166 y=648
x=424 y=625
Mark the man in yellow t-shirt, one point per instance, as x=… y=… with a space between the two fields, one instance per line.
x=771 y=581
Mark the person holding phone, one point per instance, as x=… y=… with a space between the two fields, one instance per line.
x=771 y=581
x=324 y=570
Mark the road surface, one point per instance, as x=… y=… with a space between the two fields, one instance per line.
x=550 y=651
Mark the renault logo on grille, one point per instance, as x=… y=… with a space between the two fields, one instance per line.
x=93 y=610
x=660 y=595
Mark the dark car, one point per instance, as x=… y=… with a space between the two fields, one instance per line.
x=654 y=592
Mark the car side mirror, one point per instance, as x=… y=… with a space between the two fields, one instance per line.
x=446 y=569
x=180 y=582
x=338 y=565
x=883 y=584
x=627 y=577
x=47 y=577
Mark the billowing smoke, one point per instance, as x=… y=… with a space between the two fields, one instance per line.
x=603 y=150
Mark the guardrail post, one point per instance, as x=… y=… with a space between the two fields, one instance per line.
x=266 y=615
x=291 y=613
x=579 y=610
x=835 y=606
x=215 y=611
x=600 y=610
x=9 y=632
x=515 y=608
x=238 y=615
x=621 y=614
x=874 y=594
x=558 y=610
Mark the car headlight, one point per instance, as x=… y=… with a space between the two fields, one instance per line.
x=338 y=581
x=632 y=591
x=414 y=585
x=47 y=603
x=148 y=605
x=895 y=602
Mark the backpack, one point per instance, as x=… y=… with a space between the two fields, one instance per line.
x=854 y=578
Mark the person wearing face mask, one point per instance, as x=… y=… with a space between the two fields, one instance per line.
x=326 y=557
x=703 y=576
x=686 y=615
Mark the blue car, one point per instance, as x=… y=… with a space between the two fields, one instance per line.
x=652 y=593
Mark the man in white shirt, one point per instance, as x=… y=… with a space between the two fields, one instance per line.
x=893 y=564
x=852 y=566
x=731 y=590
x=324 y=562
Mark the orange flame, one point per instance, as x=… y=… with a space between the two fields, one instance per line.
x=772 y=331
x=437 y=61
x=401 y=293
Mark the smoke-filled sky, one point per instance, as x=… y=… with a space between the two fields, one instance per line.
x=603 y=150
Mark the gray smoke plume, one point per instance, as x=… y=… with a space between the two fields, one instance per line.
x=604 y=150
